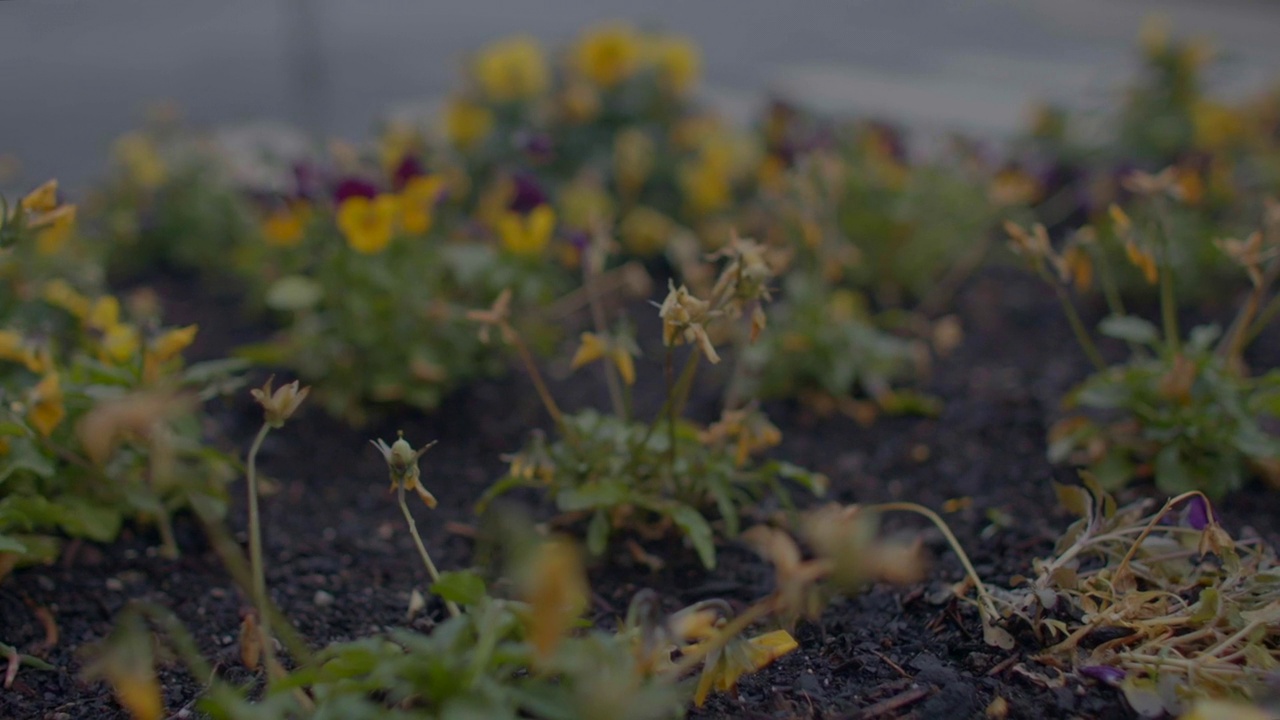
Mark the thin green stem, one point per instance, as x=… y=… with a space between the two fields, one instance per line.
x=255 y=548
x=422 y=549
x=1168 y=300
x=613 y=381
x=985 y=600
x=1077 y=327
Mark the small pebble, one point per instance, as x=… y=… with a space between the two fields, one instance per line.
x=322 y=599
x=114 y=584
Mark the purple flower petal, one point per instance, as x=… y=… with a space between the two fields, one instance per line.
x=409 y=168
x=1103 y=673
x=354 y=187
x=528 y=194
x=307 y=180
x=1197 y=512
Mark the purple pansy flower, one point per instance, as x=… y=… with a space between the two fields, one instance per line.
x=409 y=168
x=354 y=187
x=528 y=194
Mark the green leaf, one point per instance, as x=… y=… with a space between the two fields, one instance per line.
x=1130 y=328
x=598 y=533
x=462 y=587
x=23 y=456
x=293 y=293
x=1202 y=337
x=1172 y=474
x=696 y=528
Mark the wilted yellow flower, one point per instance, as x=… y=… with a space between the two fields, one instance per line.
x=101 y=430
x=741 y=657
x=684 y=319
x=140 y=159
x=281 y=404
x=1119 y=219
x=609 y=54
x=527 y=235
x=678 y=62
x=41 y=200
x=555 y=586
x=284 y=226
x=1245 y=253
x=1075 y=266
x=497 y=315
x=513 y=69
x=1142 y=259
x=46 y=409
x=747 y=428
x=402 y=462
x=418 y=203
x=465 y=122
x=595 y=347
x=368 y=225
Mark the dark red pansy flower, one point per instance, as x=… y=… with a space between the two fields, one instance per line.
x=528 y=193
x=409 y=168
x=354 y=187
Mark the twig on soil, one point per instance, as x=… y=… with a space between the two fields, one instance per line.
x=895 y=703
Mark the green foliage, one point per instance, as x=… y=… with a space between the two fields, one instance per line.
x=101 y=421
x=1189 y=420
x=621 y=474
x=1184 y=411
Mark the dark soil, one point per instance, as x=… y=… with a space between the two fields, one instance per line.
x=341 y=565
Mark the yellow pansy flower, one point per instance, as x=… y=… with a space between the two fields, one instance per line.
x=368 y=225
x=466 y=123
x=608 y=55
x=47 y=410
x=14 y=348
x=645 y=231
x=119 y=343
x=285 y=226
x=594 y=347
x=513 y=69
x=678 y=63
x=527 y=235
x=706 y=186
x=633 y=152
x=418 y=202
x=105 y=314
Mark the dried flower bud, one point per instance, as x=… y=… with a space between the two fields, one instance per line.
x=281 y=404
x=402 y=461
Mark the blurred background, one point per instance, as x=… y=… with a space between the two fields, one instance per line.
x=79 y=73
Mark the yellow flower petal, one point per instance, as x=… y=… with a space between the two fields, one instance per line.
x=47 y=410
x=120 y=343
x=626 y=366
x=60 y=294
x=368 y=225
x=105 y=313
x=513 y=69
x=43 y=199
x=608 y=54
x=168 y=345
x=591 y=349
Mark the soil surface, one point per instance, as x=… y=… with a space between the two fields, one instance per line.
x=341 y=565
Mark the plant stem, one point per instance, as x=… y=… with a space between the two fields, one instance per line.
x=590 y=283
x=422 y=549
x=255 y=547
x=549 y=402
x=1168 y=303
x=1077 y=327
x=986 y=603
